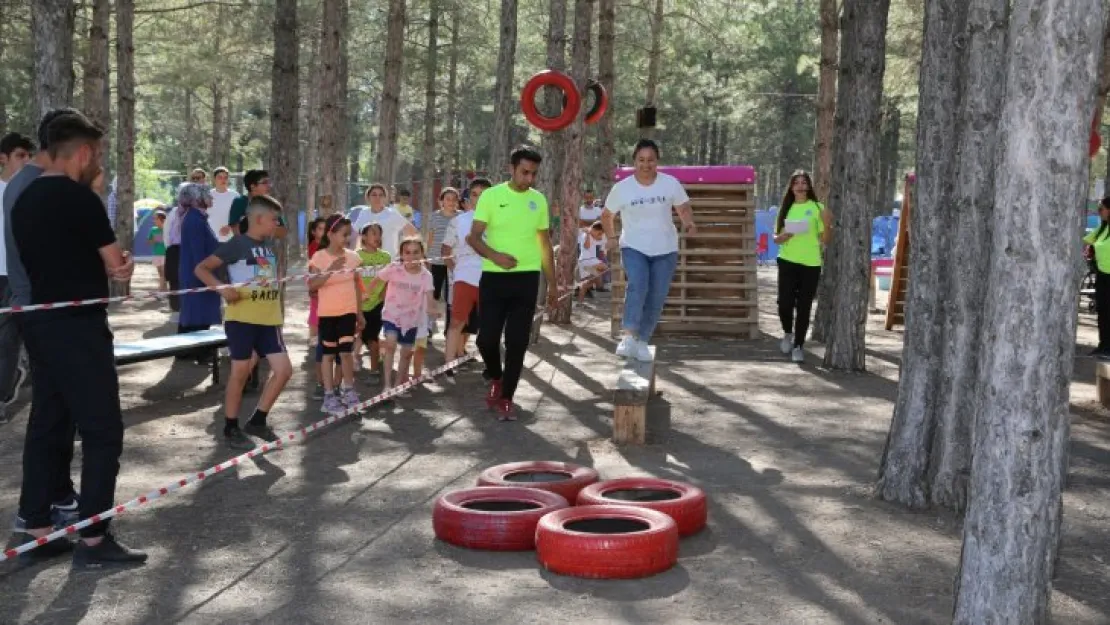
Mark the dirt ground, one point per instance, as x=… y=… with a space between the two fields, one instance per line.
x=338 y=529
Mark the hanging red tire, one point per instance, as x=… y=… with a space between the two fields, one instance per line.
x=493 y=518
x=559 y=80
x=607 y=542
x=684 y=503
x=561 y=478
x=601 y=102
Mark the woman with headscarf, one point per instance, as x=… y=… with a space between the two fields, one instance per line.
x=199 y=311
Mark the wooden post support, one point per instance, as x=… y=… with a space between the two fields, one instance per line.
x=1102 y=383
x=635 y=386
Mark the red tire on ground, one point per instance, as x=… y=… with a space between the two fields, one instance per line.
x=607 y=542
x=493 y=518
x=684 y=503
x=559 y=80
x=561 y=478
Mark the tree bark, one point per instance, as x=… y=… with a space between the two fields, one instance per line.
x=332 y=121
x=95 y=88
x=888 y=161
x=190 y=133
x=903 y=473
x=390 y=110
x=427 y=178
x=826 y=99
x=284 y=120
x=503 y=100
x=1012 y=527
x=312 y=145
x=858 y=115
x=607 y=76
x=654 y=59
x=554 y=143
x=52 y=26
x=125 y=139
x=449 y=156
x=342 y=189
x=572 y=175
x=217 y=125
x=968 y=231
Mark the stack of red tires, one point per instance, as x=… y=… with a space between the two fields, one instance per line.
x=617 y=529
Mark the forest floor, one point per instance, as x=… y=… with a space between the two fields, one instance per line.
x=338 y=529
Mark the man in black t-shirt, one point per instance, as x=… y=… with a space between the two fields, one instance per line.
x=69 y=252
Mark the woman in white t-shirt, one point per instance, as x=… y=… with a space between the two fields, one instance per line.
x=648 y=242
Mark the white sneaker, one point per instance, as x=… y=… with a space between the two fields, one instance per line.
x=787 y=343
x=642 y=353
x=627 y=347
x=798 y=355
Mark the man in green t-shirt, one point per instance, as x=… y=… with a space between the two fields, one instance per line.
x=257 y=182
x=510 y=232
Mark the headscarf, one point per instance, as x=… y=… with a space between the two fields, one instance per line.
x=190 y=195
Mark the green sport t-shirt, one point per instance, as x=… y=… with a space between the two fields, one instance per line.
x=1102 y=249
x=804 y=248
x=513 y=221
x=376 y=295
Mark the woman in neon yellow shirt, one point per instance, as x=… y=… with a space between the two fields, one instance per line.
x=803 y=225
x=1099 y=240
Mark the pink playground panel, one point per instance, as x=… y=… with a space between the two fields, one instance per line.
x=708 y=174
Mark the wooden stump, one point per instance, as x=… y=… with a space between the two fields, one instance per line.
x=635 y=386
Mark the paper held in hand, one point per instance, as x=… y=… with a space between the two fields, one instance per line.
x=800 y=226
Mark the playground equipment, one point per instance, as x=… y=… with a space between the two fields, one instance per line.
x=572 y=100
x=899 y=279
x=714 y=286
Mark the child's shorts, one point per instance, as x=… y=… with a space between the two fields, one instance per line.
x=373 y=330
x=337 y=334
x=158 y=261
x=589 y=268
x=465 y=301
x=407 y=339
x=245 y=339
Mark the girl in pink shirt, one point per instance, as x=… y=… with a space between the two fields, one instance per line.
x=339 y=308
x=408 y=302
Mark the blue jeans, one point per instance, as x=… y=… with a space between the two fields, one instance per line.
x=649 y=281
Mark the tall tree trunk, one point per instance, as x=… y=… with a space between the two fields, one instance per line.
x=354 y=166
x=888 y=166
x=190 y=131
x=1012 y=528
x=312 y=145
x=607 y=76
x=654 y=60
x=554 y=143
x=217 y=125
x=342 y=188
x=826 y=99
x=224 y=156
x=332 y=121
x=52 y=26
x=449 y=156
x=858 y=114
x=5 y=16
x=503 y=100
x=95 y=87
x=427 y=177
x=125 y=138
x=284 y=121
x=390 y=110
x=572 y=175
x=903 y=473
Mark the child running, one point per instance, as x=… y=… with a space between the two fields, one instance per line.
x=340 y=317
x=157 y=240
x=408 y=302
x=590 y=267
x=253 y=318
x=372 y=255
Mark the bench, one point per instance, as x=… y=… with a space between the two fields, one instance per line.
x=635 y=386
x=160 y=347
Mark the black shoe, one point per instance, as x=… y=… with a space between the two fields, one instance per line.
x=53 y=549
x=486 y=376
x=107 y=552
x=264 y=432
x=449 y=373
x=237 y=440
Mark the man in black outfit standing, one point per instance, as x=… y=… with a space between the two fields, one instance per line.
x=69 y=251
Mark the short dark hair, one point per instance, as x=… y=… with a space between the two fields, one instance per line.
x=51 y=115
x=263 y=202
x=525 y=153
x=253 y=177
x=404 y=192
x=597 y=226
x=159 y=214
x=481 y=182
x=644 y=144
x=220 y=170
x=14 y=141
x=66 y=130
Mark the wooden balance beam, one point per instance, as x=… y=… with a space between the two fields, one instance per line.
x=635 y=386
x=160 y=347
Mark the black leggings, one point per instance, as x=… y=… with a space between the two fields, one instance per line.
x=440 y=284
x=797 y=288
x=173 y=266
x=507 y=302
x=1102 y=307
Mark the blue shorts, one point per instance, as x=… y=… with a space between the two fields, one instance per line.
x=407 y=339
x=245 y=339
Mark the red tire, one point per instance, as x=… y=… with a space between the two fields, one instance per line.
x=564 y=83
x=684 y=503
x=493 y=518
x=561 y=478
x=601 y=102
x=585 y=542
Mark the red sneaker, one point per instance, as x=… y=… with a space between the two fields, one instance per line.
x=494 y=394
x=505 y=410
